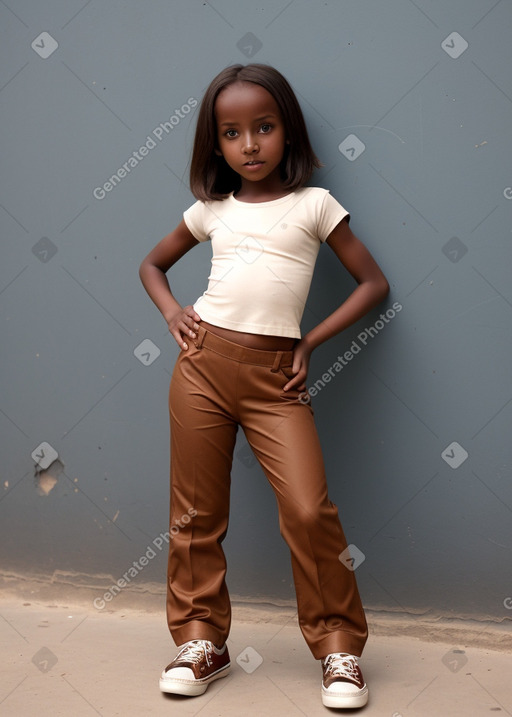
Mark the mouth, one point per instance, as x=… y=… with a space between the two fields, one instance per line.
x=253 y=163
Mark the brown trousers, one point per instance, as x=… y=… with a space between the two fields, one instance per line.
x=216 y=386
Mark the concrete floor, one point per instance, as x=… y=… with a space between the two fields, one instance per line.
x=79 y=661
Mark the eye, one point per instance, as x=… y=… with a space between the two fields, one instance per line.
x=265 y=128
x=231 y=133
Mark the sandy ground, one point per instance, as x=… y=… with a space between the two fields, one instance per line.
x=64 y=659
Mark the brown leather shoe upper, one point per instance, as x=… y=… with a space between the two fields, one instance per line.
x=340 y=667
x=200 y=657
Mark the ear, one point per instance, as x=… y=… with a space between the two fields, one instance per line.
x=287 y=141
x=218 y=152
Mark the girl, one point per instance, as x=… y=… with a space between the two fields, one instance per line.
x=243 y=362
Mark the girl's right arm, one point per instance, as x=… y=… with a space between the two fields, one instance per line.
x=182 y=322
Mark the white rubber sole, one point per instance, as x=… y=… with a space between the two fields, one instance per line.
x=345 y=701
x=191 y=688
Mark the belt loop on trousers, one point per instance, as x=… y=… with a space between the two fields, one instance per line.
x=201 y=333
x=277 y=361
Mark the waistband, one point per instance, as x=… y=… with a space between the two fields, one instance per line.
x=243 y=354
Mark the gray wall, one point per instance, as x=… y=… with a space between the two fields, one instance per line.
x=415 y=426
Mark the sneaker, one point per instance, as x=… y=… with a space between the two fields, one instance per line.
x=197 y=664
x=343 y=685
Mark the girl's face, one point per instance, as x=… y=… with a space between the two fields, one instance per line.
x=250 y=133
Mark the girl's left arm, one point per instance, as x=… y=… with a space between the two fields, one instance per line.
x=371 y=290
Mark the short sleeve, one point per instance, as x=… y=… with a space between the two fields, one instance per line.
x=194 y=218
x=331 y=214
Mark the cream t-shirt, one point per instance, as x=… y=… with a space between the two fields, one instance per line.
x=263 y=257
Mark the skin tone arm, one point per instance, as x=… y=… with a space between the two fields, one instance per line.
x=182 y=322
x=371 y=290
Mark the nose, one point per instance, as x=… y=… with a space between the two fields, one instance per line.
x=249 y=145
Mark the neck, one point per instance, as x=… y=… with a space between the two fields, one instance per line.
x=264 y=191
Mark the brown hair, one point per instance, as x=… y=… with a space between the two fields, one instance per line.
x=210 y=175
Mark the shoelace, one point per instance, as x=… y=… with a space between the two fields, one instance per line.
x=195 y=650
x=342 y=665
